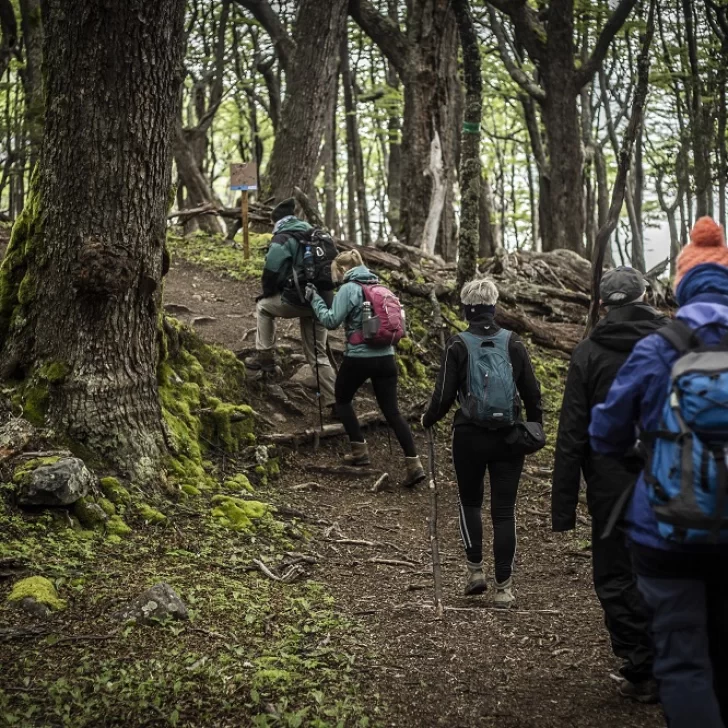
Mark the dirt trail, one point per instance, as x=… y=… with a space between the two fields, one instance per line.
x=546 y=663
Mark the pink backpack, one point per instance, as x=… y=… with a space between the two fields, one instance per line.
x=386 y=326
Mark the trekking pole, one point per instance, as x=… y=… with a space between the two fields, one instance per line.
x=434 y=541
x=318 y=378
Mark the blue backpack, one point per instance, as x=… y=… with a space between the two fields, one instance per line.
x=686 y=473
x=489 y=398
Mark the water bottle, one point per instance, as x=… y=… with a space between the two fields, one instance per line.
x=404 y=321
x=309 y=268
x=366 y=311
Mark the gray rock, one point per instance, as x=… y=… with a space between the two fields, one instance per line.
x=59 y=484
x=15 y=435
x=305 y=376
x=35 y=609
x=159 y=602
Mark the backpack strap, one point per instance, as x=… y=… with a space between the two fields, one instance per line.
x=680 y=336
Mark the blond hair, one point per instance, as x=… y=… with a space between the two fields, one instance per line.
x=345 y=261
x=479 y=292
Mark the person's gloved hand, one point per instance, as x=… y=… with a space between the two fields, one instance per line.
x=310 y=292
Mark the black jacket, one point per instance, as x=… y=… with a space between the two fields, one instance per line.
x=454 y=374
x=594 y=366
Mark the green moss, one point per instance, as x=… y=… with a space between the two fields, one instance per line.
x=239 y=482
x=237 y=514
x=39 y=589
x=116 y=526
x=190 y=490
x=30 y=465
x=53 y=371
x=35 y=403
x=149 y=514
x=20 y=263
x=89 y=513
x=274 y=469
x=115 y=491
x=106 y=506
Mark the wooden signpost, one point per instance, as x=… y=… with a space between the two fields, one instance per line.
x=244 y=177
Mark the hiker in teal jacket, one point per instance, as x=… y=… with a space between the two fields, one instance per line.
x=363 y=362
x=280 y=299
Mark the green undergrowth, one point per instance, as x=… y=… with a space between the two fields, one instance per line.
x=255 y=652
x=216 y=253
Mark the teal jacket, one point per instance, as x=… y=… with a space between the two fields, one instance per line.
x=347 y=308
x=281 y=256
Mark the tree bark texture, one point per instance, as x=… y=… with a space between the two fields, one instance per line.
x=425 y=57
x=32 y=25
x=311 y=81
x=470 y=166
x=80 y=283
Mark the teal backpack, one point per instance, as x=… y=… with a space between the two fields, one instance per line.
x=489 y=398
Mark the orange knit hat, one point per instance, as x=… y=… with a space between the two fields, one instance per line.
x=707 y=245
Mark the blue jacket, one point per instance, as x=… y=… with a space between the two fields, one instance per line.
x=637 y=397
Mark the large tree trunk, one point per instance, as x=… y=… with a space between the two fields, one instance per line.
x=79 y=319
x=310 y=83
x=428 y=108
x=561 y=119
x=394 y=133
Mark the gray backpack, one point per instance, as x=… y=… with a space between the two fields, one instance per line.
x=489 y=398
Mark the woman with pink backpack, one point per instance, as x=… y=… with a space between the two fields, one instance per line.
x=372 y=318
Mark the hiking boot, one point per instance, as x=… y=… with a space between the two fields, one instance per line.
x=359 y=455
x=415 y=472
x=504 y=598
x=264 y=361
x=644 y=691
x=476 y=583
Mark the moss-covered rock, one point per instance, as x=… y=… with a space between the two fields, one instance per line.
x=107 y=506
x=22 y=470
x=237 y=514
x=89 y=513
x=116 y=526
x=239 y=482
x=39 y=589
x=149 y=514
x=190 y=490
x=115 y=491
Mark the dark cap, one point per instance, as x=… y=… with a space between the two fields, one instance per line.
x=283 y=209
x=621 y=286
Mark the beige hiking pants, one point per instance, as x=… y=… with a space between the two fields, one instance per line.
x=268 y=310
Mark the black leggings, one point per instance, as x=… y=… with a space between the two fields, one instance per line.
x=382 y=370
x=475 y=450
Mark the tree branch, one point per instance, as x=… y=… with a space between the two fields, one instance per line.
x=384 y=32
x=530 y=31
x=514 y=71
x=268 y=18
x=615 y=22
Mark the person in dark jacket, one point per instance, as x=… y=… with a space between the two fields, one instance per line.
x=476 y=449
x=594 y=365
x=685 y=586
x=280 y=300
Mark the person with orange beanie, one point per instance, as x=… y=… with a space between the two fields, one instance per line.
x=682 y=579
x=707 y=245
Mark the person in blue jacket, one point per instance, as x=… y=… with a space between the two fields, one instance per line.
x=685 y=587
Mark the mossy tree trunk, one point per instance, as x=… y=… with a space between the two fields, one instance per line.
x=80 y=283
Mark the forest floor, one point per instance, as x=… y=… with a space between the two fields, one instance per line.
x=546 y=663
x=358 y=632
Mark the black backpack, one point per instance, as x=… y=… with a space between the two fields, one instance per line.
x=312 y=261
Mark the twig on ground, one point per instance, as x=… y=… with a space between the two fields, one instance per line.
x=392 y=562
x=381 y=484
x=265 y=570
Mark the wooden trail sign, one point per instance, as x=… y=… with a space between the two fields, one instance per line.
x=244 y=177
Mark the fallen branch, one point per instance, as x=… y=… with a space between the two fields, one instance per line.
x=392 y=562
x=349 y=470
x=265 y=570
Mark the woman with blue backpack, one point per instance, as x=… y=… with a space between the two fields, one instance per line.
x=373 y=321
x=672 y=393
x=486 y=368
